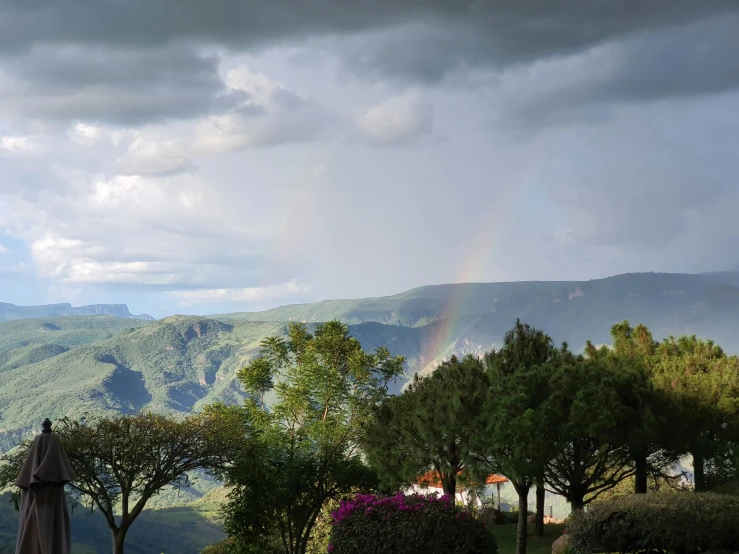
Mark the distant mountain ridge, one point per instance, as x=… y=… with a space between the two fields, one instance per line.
x=64 y=365
x=10 y=312
x=55 y=363
x=424 y=305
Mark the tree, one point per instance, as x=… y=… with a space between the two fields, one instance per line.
x=702 y=384
x=122 y=461
x=649 y=430
x=429 y=426
x=304 y=450
x=515 y=434
x=589 y=406
x=524 y=347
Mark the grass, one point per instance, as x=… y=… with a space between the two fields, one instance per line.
x=506 y=537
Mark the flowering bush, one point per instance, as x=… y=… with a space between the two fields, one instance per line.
x=407 y=524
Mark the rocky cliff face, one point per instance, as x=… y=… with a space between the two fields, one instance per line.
x=9 y=312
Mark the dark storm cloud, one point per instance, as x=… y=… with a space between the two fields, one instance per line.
x=690 y=60
x=141 y=54
x=517 y=30
x=127 y=86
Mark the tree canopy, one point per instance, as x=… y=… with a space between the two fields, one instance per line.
x=514 y=434
x=304 y=450
x=702 y=385
x=122 y=461
x=429 y=426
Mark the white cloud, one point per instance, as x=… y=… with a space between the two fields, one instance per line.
x=252 y=295
x=191 y=199
x=82 y=133
x=123 y=189
x=401 y=119
x=18 y=144
x=71 y=261
x=176 y=232
x=259 y=87
x=149 y=157
x=4 y=249
x=270 y=115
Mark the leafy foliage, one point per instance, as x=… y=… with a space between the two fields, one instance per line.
x=180 y=530
x=590 y=406
x=305 y=447
x=649 y=433
x=658 y=522
x=407 y=524
x=513 y=434
x=702 y=384
x=122 y=462
x=429 y=425
x=524 y=348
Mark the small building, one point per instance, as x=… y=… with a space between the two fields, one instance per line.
x=469 y=494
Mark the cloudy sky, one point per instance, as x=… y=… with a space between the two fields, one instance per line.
x=184 y=156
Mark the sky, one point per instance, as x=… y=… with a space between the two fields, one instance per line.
x=183 y=156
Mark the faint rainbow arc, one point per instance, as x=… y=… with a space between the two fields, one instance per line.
x=471 y=270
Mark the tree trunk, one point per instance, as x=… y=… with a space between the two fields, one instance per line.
x=523 y=508
x=539 y=522
x=119 y=538
x=640 y=481
x=450 y=486
x=577 y=502
x=699 y=474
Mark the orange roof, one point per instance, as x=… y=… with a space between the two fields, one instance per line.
x=495 y=479
x=431 y=479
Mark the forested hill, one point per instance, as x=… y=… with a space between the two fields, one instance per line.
x=55 y=366
x=598 y=297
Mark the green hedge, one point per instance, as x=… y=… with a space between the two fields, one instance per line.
x=674 y=523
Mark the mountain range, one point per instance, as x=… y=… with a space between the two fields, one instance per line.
x=55 y=365
x=58 y=360
x=9 y=312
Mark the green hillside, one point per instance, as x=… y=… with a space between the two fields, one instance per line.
x=173 y=365
x=71 y=365
x=63 y=331
x=420 y=306
x=179 y=530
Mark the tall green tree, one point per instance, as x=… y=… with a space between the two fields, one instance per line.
x=702 y=383
x=649 y=432
x=524 y=347
x=515 y=435
x=429 y=426
x=122 y=461
x=305 y=450
x=588 y=406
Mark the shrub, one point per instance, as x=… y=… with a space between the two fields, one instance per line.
x=226 y=546
x=492 y=516
x=412 y=524
x=510 y=517
x=679 y=523
x=727 y=488
x=232 y=545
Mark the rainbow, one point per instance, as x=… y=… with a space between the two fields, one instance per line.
x=439 y=346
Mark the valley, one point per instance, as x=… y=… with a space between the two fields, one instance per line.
x=77 y=365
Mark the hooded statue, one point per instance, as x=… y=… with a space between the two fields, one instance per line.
x=44 y=519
